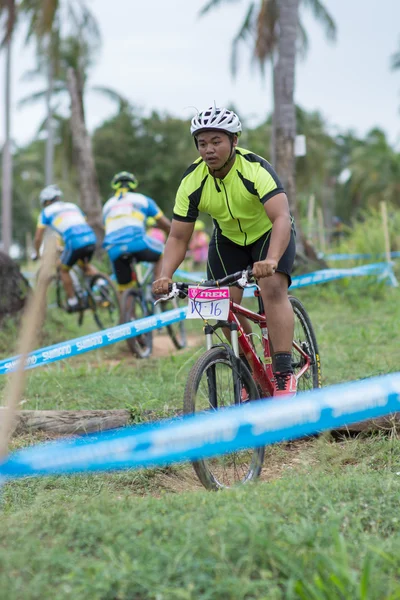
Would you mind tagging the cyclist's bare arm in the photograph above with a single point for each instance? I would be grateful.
(277, 209)
(164, 223)
(174, 254)
(38, 239)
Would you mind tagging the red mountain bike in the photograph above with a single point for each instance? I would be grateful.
(220, 378)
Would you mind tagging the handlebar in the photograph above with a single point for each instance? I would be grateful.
(245, 276)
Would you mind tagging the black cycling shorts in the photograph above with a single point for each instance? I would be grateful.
(122, 264)
(225, 257)
(84, 254)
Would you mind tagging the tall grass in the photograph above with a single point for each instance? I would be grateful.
(366, 234)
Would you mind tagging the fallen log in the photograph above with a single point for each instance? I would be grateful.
(64, 422)
(388, 423)
(61, 422)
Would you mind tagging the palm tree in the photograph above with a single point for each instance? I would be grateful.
(375, 172)
(50, 23)
(275, 33)
(8, 14)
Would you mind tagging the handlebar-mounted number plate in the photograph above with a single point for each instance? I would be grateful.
(208, 303)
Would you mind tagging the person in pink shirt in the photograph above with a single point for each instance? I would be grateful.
(198, 246)
(155, 232)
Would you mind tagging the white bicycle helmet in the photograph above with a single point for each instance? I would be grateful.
(50, 193)
(221, 119)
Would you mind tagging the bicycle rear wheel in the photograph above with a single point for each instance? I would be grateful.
(61, 296)
(134, 307)
(214, 384)
(105, 306)
(305, 340)
(176, 331)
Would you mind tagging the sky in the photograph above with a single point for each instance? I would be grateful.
(161, 55)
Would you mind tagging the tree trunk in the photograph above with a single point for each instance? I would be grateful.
(14, 288)
(284, 123)
(6, 223)
(284, 108)
(88, 183)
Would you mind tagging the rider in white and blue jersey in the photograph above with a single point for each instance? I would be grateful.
(124, 217)
(79, 240)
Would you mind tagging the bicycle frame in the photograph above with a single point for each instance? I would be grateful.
(145, 278)
(262, 371)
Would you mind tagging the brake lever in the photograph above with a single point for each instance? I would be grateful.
(244, 279)
(164, 298)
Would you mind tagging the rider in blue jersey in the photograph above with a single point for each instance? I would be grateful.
(78, 238)
(124, 217)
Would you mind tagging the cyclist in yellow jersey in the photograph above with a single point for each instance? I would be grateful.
(253, 227)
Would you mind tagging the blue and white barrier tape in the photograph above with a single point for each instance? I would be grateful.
(382, 269)
(358, 256)
(210, 434)
(94, 341)
(122, 332)
(385, 270)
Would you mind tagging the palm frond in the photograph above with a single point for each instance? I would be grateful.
(111, 94)
(395, 61)
(323, 16)
(246, 32)
(59, 87)
(84, 23)
(55, 117)
(49, 11)
(302, 42)
(33, 74)
(9, 9)
(214, 4)
(266, 31)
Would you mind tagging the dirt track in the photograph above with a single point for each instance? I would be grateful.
(163, 345)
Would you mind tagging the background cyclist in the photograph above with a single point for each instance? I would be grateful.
(124, 216)
(198, 246)
(154, 231)
(78, 238)
(253, 226)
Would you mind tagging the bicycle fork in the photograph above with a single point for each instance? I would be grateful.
(236, 363)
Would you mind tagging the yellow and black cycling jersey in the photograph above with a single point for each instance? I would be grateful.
(235, 202)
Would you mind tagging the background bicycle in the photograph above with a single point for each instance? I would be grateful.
(95, 293)
(220, 378)
(138, 302)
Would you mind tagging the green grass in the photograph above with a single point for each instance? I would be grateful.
(322, 536)
(322, 524)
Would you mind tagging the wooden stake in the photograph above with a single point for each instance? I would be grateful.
(385, 224)
(310, 217)
(321, 230)
(31, 321)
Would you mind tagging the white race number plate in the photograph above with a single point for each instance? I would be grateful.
(208, 303)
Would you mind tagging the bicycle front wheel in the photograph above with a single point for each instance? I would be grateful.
(305, 344)
(105, 305)
(133, 307)
(214, 383)
(176, 331)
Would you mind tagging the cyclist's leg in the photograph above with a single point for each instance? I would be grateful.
(226, 257)
(150, 250)
(279, 312)
(86, 255)
(121, 263)
(67, 260)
